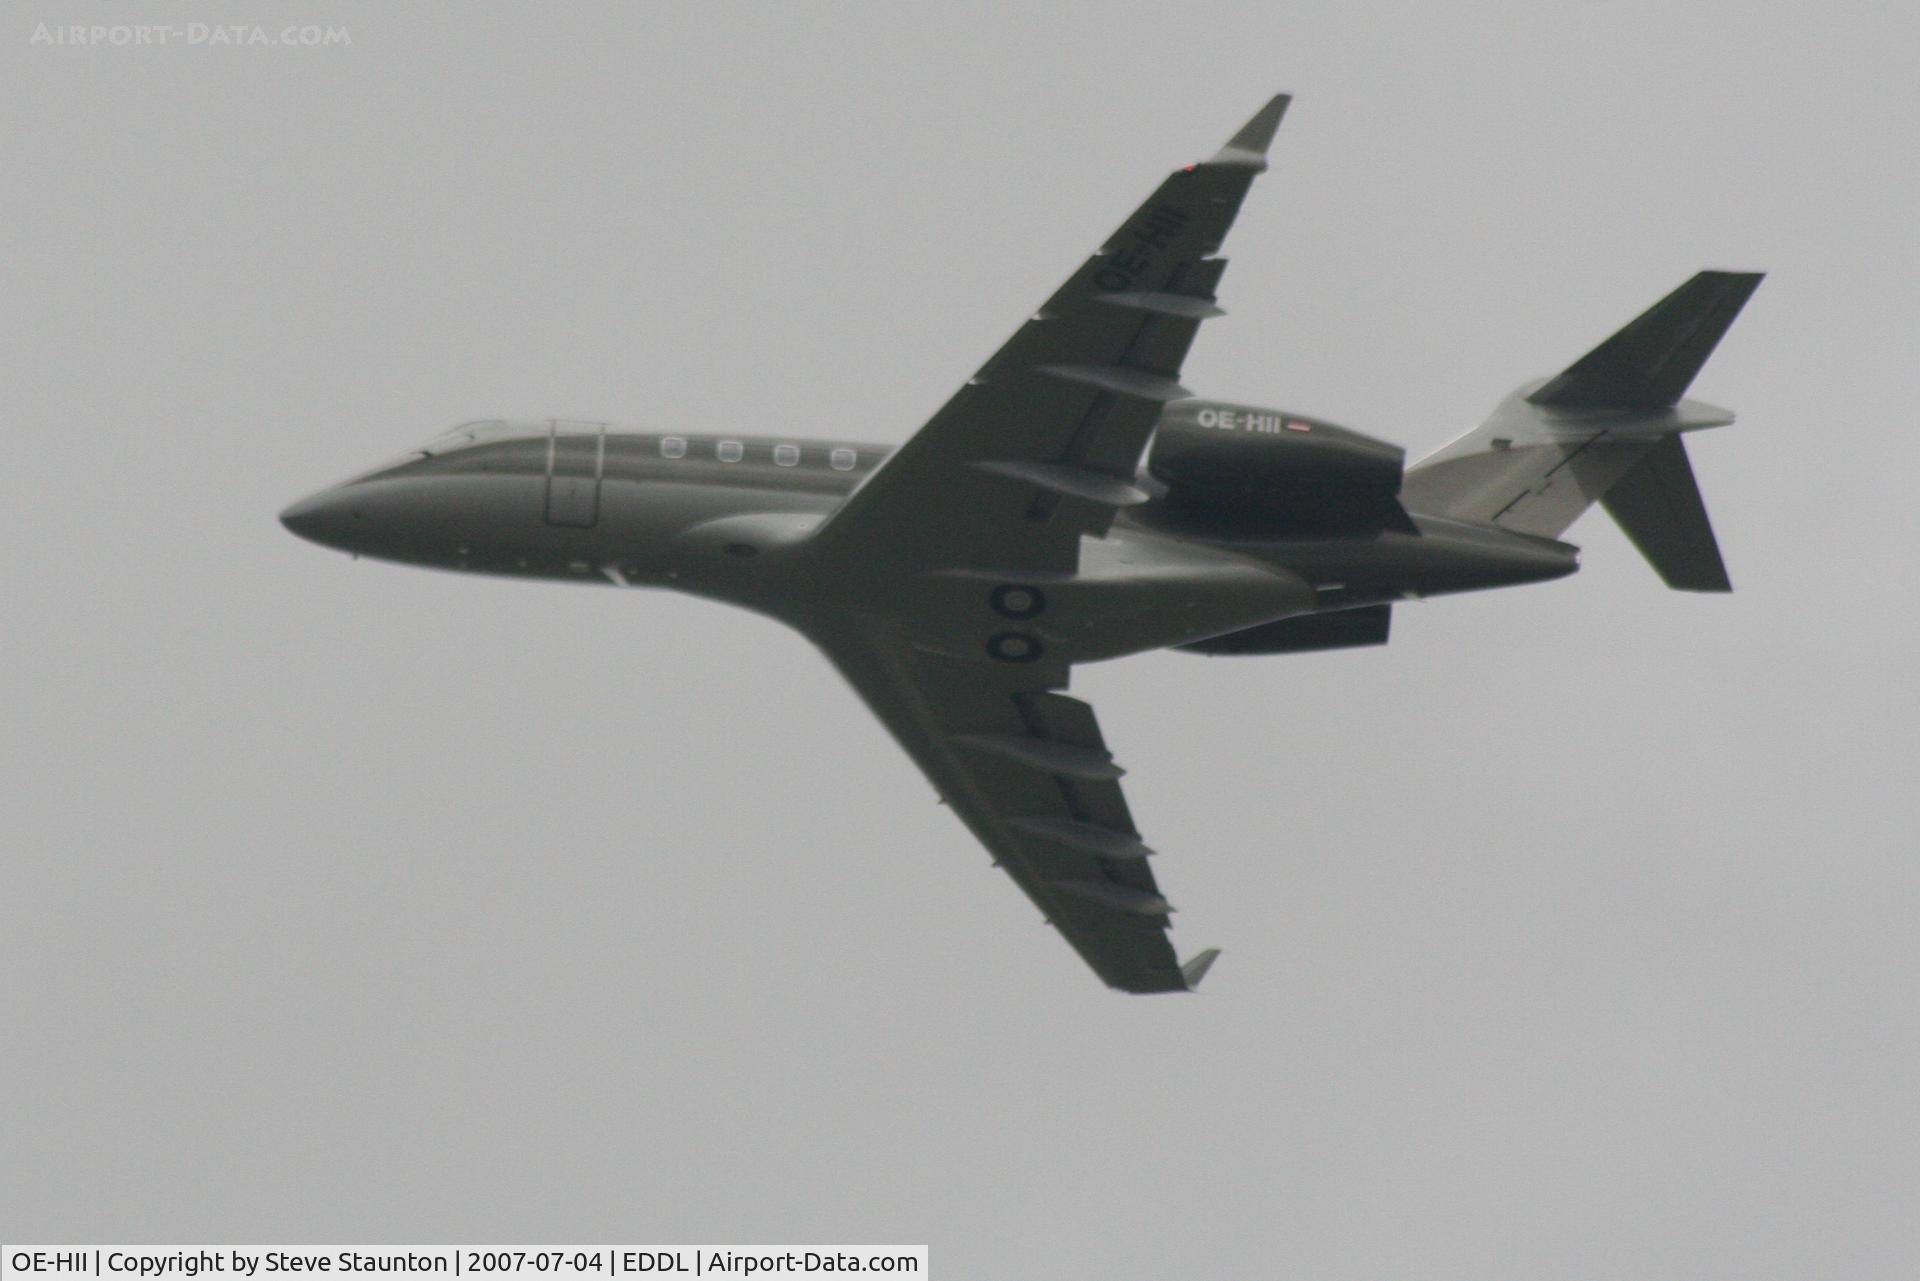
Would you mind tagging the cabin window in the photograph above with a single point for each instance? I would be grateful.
(786, 455)
(842, 459)
(729, 451)
(673, 446)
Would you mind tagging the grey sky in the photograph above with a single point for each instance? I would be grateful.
(1572, 934)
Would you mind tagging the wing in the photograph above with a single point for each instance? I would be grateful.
(1037, 450)
(1041, 445)
(1026, 769)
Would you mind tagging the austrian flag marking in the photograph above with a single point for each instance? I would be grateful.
(1257, 421)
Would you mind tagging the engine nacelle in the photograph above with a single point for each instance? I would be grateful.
(1240, 462)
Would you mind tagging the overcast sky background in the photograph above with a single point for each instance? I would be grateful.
(1572, 934)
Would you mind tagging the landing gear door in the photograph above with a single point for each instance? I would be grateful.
(576, 457)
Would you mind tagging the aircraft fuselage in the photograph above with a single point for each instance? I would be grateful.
(1074, 501)
(730, 517)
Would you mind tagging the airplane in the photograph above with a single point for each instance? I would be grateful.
(1072, 502)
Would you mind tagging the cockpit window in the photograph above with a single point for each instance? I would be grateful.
(481, 431)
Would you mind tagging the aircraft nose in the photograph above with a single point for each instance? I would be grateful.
(320, 518)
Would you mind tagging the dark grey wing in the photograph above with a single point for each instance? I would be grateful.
(1026, 769)
(1042, 444)
(1037, 450)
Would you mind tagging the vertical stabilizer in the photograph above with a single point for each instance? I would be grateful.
(1607, 429)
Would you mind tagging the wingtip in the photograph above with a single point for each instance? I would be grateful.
(1249, 145)
(1196, 967)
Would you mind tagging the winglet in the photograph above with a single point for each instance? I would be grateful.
(1195, 969)
(1249, 146)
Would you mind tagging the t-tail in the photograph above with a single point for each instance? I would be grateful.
(1609, 430)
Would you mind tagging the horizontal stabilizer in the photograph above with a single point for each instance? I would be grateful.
(1658, 505)
(1650, 363)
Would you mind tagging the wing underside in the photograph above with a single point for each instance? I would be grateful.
(1026, 768)
(1041, 444)
(1036, 452)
